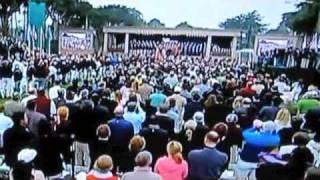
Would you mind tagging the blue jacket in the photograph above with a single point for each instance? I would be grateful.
(257, 142)
(121, 132)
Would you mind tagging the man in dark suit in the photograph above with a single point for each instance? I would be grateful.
(207, 163)
(156, 138)
(164, 121)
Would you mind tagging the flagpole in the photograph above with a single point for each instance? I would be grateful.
(41, 41)
(49, 40)
(33, 38)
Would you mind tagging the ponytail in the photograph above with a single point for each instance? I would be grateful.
(174, 149)
(178, 158)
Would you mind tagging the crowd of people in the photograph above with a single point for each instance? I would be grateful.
(130, 117)
(171, 45)
(290, 58)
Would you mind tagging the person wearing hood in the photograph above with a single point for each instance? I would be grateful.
(172, 166)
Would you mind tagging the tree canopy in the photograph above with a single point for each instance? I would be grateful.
(155, 23)
(245, 22)
(184, 24)
(250, 23)
(7, 8)
(305, 19)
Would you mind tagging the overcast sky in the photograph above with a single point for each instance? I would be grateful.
(204, 13)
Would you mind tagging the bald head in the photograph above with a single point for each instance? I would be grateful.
(211, 139)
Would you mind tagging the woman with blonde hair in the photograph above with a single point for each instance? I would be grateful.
(172, 166)
(62, 114)
(63, 129)
(283, 119)
(102, 169)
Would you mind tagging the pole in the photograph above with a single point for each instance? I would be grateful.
(49, 40)
(87, 23)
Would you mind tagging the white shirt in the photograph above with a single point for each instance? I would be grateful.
(280, 126)
(53, 92)
(25, 100)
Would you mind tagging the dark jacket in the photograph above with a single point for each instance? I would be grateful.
(166, 123)
(191, 108)
(206, 163)
(234, 137)
(15, 139)
(49, 150)
(84, 125)
(196, 141)
(64, 132)
(216, 113)
(156, 140)
(102, 113)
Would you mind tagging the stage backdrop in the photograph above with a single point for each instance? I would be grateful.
(76, 41)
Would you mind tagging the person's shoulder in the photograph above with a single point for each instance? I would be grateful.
(162, 159)
(195, 152)
(8, 132)
(221, 154)
(127, 175)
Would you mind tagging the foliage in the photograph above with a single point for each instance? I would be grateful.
(80, 14)
(305, 19)
(284, 26)
(184, 25)
(250, 23)
(7, 8)
(155, 23)
(61, 10)
(245, 22)
(114, 15)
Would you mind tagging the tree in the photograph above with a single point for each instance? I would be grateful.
(80, 16)
(284, 26)
(61, 11)
(184, 25)
(306, 18)
(113, 15)
(7, 8)
(155, 23)
(250, 23)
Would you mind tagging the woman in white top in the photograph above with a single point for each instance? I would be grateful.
(283, 119)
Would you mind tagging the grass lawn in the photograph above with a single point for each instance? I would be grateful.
(2, 101)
